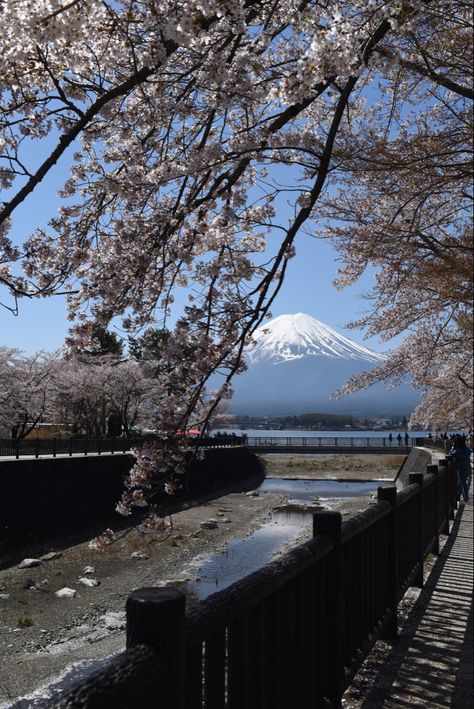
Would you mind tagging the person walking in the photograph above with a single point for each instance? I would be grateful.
(461, 453)
(399, 439)
(390, 439)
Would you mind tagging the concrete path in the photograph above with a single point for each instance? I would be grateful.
(432, 666)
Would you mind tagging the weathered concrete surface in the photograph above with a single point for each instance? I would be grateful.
(416, 462)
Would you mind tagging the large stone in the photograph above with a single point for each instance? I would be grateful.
(50, 556)
(139, 556)
(210, 524)
(28, 563)
(66, 592)
(89, 582)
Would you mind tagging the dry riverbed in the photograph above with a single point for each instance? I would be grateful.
(41, 634)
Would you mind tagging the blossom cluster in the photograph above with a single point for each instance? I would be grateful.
(205, 137)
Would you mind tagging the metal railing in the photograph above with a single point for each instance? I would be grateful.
(329, 442)
(37, 447)
(294, 632)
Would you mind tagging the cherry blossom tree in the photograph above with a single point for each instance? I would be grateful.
(204, 137)
(27, 388)
(90, 389)
(405, 207)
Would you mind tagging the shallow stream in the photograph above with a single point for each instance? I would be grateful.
(244, 556)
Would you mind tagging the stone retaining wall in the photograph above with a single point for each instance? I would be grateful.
(51, 498)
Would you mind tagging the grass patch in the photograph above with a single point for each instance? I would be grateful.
(24, 621)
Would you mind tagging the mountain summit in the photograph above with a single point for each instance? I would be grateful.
(296, 363)
(290, 337)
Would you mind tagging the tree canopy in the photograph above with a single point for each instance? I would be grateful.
(204, 136)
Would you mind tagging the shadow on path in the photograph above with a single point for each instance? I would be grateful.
(431, 666)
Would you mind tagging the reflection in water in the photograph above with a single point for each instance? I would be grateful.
(243, 556)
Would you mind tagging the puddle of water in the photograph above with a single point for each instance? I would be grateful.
(307, 489)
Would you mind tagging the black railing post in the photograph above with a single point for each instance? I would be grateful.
(443, 471)
(433, 470)
(70, 446)
(17, 454)
(330, 524)
(417, 478)
(453, 470)
(85, 446)
(155, 618)
(389, 494)
(54, 447)
(36, 448)
(454, 483)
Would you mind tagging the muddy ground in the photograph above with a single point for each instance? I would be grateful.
(41, 634)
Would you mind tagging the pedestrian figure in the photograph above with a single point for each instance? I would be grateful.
(399, 439)
(390, 438)
(462, 456)
(407, 438)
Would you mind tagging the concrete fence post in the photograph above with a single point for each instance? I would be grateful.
(330, 524)
(417, 478)
(443, 471)
(389, 494)
(155, 617)
(433, 470)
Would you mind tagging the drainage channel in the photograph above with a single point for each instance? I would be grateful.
(241, 557)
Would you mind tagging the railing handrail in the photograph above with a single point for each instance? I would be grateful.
(317, 441)
(396, 533)
(37, 447)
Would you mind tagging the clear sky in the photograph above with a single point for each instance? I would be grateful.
(42, 324)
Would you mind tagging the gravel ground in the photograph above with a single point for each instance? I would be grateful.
(41, 634)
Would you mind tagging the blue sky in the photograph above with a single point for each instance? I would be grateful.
(42, 324)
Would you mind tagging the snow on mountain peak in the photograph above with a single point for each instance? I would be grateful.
(289, 337)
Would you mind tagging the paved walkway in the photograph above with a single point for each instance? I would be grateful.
(432, 665)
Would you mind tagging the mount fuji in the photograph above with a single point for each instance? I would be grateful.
(296, 362)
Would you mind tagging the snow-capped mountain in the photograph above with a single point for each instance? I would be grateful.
(296, 363)
(290, 337)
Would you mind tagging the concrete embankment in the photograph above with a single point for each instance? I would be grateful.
(47, 499)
